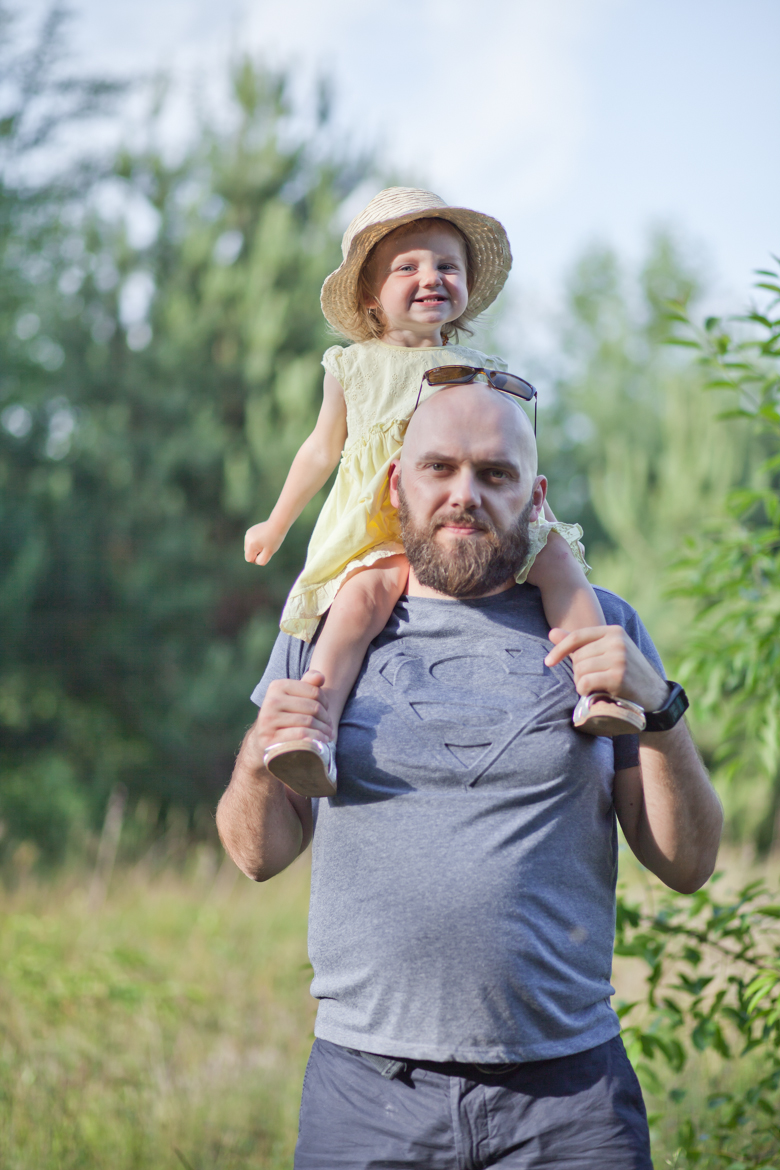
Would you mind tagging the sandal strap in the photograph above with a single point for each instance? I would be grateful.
(585, 703)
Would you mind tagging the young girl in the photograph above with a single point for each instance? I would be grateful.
(414, 272)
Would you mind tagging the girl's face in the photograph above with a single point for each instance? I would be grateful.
(420, 278)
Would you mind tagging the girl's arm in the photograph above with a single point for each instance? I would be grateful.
(569, 601)
(315, 461)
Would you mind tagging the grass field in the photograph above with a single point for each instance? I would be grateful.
(169, 1027)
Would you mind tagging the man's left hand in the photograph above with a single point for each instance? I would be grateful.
(605, 659)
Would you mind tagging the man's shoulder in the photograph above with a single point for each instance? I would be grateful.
(618, 612)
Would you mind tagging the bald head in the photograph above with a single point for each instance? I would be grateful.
(474, 417)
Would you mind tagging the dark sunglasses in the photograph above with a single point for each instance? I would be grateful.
(506, 383)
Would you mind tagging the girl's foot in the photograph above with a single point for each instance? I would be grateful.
(305, 765)
(602, 714)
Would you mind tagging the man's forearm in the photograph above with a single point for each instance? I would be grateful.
(667, 807)
(263, 825)
(669, 811)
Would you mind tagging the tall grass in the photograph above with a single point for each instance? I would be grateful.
(170, 1028)
(167, 1024)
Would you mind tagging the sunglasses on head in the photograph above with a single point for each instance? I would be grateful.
(506, 383)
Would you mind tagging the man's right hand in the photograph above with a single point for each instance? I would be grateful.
(294, 710)
(264, 825)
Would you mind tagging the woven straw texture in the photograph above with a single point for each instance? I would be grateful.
(391, 209)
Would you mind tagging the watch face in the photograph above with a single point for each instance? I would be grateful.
(679, 705)
(671, 712)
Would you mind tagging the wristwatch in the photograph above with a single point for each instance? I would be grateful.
(672, 711)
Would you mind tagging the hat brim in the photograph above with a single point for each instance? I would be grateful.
(490, 253)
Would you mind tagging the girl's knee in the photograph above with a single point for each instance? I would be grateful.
(385, 578)
(395, 571)
(367, 598)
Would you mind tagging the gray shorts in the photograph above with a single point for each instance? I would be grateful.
(578, 1112)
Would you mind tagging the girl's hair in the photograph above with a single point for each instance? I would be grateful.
(373, 318)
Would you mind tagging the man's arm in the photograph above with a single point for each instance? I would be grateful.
(667, 807)
(668, 810)
(263, 824)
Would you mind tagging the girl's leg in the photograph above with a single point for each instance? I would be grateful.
(571, 604)
(360, 611)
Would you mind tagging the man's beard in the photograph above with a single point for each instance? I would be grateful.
(470, 566)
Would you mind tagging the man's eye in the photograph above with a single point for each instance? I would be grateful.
(497, 473)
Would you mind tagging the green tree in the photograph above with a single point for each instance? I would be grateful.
(39, 795)
(732, 572)
(172, 384)
(631, 447)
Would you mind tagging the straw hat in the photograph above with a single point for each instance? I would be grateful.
(387, 211)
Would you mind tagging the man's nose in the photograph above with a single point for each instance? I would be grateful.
(464, 490)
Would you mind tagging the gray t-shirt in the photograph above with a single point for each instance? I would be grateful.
(463, 879)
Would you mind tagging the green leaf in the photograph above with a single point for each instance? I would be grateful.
(703, 1035)
(716, 1100)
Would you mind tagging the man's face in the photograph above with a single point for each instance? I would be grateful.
(471, 567)
(466, 489)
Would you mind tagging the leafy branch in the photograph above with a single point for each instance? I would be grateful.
(732, 572)
(713, 983)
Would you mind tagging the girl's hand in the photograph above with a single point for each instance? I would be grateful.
(261, 542)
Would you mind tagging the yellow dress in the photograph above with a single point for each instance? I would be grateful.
(358, 525)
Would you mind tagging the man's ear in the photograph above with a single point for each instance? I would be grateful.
(538, 495)
(393, 479)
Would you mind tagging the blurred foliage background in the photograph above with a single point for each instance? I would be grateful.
(154, 386)
(151, 400)
(652, 453)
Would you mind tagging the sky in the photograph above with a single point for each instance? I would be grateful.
(571, 121)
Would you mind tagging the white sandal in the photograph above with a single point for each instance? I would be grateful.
(602, 714)
(305, 765)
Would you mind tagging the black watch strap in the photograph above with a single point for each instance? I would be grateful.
(672, 711)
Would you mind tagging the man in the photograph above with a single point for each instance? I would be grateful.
(462, 906)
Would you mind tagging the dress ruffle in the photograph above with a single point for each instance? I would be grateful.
(539, 532)
(316, 600)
